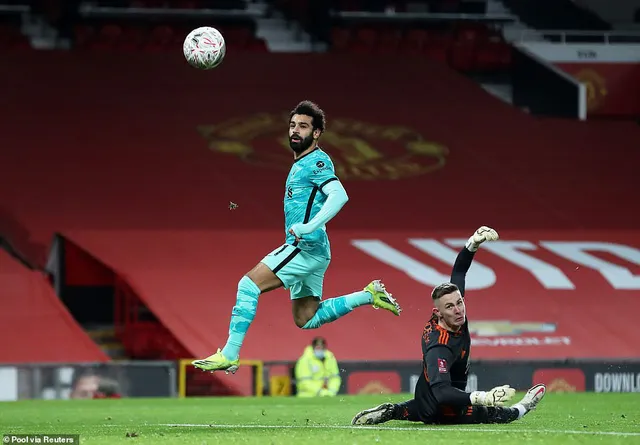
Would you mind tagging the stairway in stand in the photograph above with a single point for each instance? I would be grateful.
(104, 336)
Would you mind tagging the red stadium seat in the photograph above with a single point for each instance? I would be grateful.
(83, 35)
(340, 39)
(413, 42)
(350, 5)
(493, 54)
(132, 39)
(186, 4)
(257, 45)
(462, 56)
(238, 37)
(108, 38)
(463, 49)
(148, 3)
(388, 41)
(437, 46)
(11, 38)
(160, 39)
(364, 42)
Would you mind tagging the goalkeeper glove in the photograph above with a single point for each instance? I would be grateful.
(496, 397)
(481, 235)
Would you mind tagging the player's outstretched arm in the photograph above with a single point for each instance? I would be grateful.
(336, 199)
(465, 257)
(437, 361)
(481, 235)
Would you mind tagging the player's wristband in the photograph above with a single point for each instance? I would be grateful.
(471, 245)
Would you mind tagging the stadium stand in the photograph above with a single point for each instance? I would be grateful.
(621, 15)
(158, 26)
(11, 36)
(557, 14)
(139, 157)
(167, 152)
(461, 34)
(34, 322)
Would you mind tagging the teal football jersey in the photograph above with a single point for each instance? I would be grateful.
(303, 198)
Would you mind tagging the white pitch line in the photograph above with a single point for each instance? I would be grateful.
(401, 428)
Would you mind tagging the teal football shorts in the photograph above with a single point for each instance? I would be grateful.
(300, 272)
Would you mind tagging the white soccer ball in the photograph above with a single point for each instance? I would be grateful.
(204, 48)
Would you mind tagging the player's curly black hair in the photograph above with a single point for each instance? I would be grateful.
(309, 108)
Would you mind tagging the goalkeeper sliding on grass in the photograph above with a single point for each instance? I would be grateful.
(440, 396)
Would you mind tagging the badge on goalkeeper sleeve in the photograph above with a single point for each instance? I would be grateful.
(498, 396)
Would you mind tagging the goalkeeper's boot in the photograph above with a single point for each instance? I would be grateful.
(217, 362)
(373, 416)
(381, 298)
(533, 397)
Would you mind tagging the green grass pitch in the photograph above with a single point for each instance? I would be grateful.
(572, 418)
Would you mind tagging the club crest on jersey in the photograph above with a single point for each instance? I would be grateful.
(359, 150)
(442, 366)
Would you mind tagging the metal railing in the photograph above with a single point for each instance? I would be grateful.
(571, 36)
(257, 376)
(76, 380)
(422, 16)
(106, 11)
(15, 8)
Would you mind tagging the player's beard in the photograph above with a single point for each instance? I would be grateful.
(302, 145)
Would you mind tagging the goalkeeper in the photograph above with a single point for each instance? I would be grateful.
(440, 396)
